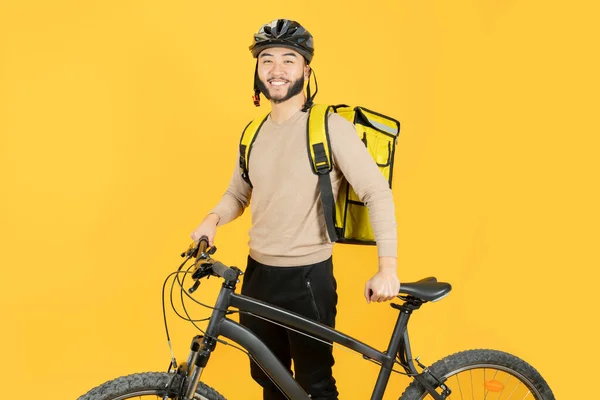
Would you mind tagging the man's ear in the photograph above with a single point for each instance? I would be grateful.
(307, 71)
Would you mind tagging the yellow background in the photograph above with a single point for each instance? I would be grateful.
(119, 122)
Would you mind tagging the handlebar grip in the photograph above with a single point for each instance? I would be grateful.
(224, 271)
(203, 244)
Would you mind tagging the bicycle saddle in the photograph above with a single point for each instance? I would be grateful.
(427, 289)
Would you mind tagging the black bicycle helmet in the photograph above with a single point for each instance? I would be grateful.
(289, 34)
(284, 33)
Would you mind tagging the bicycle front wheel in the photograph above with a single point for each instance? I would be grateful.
(484, 374)
(147, 386)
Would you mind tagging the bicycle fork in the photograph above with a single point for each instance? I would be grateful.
(200, 351)
(202, 347)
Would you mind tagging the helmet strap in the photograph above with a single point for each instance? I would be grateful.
(310, 99)
(256, 97)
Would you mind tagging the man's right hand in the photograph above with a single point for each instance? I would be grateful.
(208, 228)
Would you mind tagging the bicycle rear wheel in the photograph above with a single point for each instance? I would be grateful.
(484, 374)
(147, 386)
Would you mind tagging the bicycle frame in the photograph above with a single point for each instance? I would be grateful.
(220, 325)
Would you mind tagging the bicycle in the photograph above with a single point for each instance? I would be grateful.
(489, 374)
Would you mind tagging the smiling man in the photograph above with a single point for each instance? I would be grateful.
(278, 88)
(290, 259)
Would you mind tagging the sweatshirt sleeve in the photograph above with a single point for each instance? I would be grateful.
(358, 167)
(236, 197)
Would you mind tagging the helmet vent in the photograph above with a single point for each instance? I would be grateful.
(285, 33)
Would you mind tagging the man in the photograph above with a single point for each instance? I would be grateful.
(290, 259)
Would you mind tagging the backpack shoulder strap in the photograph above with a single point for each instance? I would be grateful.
(321, 160)
(319, 149)
(246, 141)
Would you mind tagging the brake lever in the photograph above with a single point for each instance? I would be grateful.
(192, 251)
(193, 288)
(207, 253)
(204, 270)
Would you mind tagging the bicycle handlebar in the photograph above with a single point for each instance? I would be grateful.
(224, 271)
(202, 244)
(206, 266)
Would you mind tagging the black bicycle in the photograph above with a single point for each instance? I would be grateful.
(471, 374)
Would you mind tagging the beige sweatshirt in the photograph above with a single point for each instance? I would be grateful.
(288, 226)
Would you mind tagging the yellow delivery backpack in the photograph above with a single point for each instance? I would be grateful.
(347, 218)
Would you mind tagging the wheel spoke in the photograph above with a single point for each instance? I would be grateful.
(472, 391)
(484, 391)
(514, 390)
(505, 385)
(459, 388)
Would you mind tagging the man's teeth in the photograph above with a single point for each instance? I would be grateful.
(278, 83)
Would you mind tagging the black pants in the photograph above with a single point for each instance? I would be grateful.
(308, 290)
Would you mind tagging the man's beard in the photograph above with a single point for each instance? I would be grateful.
(295, 87)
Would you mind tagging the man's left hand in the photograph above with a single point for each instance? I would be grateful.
(385, 285)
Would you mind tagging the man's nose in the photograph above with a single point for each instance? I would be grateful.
(277, 69)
